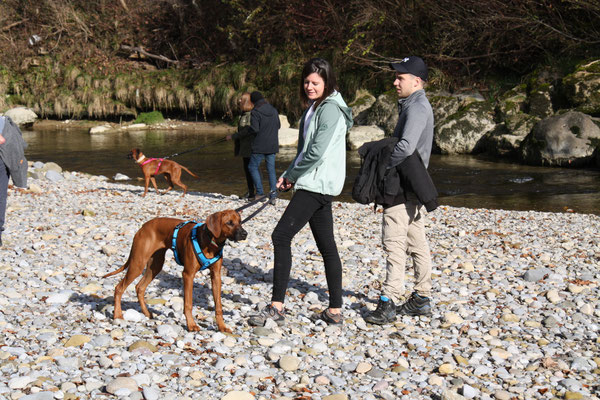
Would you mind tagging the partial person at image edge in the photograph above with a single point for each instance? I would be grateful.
(13, 163)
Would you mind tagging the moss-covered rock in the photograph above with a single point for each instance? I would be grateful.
(540, 101)
(384, 112)
(461, 132)
(512, 102)
(506, 138)
(443, 105)
(567, 140)
(582, 88)
(363, 100)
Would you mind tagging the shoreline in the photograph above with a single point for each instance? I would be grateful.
(515, 306)
(168, 124)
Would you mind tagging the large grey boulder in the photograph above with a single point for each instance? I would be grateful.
(512, 103)
(461, 132)
(361, 104)
(384, 112)
(513, 123)
(443, 105)
(542, 85)
(21, 116)
(360, 134)
(506, 138)
(569, 139)
(287, 136)
(582, 88)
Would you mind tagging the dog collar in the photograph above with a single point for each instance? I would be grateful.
(204, 262)
(139, 160)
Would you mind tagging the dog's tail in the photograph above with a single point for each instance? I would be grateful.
(190, 172)
(123, 268)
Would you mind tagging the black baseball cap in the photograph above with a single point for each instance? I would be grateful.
(411, 65)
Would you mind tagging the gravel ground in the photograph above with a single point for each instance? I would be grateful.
(515, 306)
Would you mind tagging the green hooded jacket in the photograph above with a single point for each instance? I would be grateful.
(322, 168)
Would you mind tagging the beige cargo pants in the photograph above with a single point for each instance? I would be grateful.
(403, 232)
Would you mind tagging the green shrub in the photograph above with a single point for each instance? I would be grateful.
(149, 118)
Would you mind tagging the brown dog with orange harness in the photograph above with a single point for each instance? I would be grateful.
(196, 246)
(156, 166)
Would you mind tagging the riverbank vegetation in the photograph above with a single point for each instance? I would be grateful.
(110, 59)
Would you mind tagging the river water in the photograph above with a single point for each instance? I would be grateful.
(462, 181)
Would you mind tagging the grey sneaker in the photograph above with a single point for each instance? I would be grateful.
(384, 314)
(415, 306)
(266, 313)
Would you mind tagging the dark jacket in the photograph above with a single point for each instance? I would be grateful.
(12, 152)
(264, 123)
(243, 137)
(408, 181)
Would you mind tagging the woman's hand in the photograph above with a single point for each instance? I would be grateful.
(2, 140)
(283, 184)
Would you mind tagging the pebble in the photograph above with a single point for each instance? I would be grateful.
(238, 395)
(121, 383)
(507, 320)
(289, 363)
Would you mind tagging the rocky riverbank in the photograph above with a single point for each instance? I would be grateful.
(515, 310)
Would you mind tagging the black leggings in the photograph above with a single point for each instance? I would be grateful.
(314, 208)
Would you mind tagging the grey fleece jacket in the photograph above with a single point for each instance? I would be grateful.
(414, 129)
(12, 152)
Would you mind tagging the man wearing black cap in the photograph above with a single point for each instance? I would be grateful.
(264, 124)
(403, 226)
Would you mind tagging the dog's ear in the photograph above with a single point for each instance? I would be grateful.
(213, 223)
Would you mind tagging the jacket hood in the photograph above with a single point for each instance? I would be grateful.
(336, 98)
(264, 108)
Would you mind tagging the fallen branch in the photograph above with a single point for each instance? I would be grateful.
(8, 27)
(144, 52)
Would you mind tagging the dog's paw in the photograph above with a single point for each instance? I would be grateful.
(225, 329)
(193, 328)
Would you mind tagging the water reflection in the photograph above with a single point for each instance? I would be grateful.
(462, 181)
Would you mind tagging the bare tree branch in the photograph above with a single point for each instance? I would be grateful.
(144, 52)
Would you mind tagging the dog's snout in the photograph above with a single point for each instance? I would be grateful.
(241, 234)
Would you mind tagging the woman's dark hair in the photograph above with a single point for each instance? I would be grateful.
(324, 70)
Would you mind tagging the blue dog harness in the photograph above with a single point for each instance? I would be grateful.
(204, 262)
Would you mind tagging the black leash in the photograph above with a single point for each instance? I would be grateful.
(268, 197)
(198, 148)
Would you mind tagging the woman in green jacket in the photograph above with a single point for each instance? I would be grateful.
(316, 174)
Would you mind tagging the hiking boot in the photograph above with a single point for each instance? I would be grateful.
(384, 314)
(415, 306)
(327, 316)
(266, 313)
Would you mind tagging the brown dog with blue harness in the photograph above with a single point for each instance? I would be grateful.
(196, 246)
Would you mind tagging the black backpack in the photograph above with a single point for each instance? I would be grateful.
(369, 184)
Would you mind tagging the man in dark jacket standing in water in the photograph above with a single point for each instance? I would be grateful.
(403, 226)
(264, 123)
